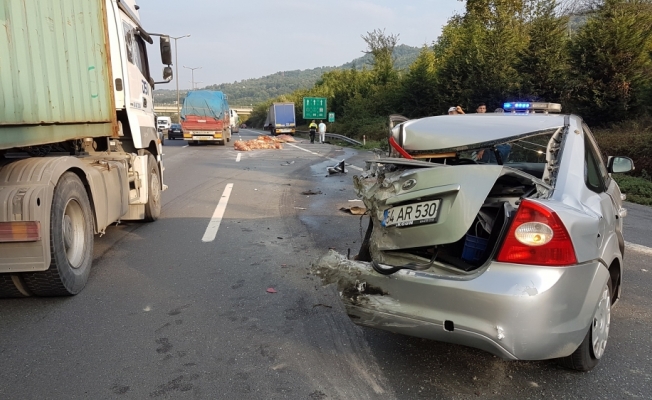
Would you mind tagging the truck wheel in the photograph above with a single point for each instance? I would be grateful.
(7, 287)
(71, 242)
(153, 206)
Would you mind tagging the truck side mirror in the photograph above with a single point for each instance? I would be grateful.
(166, 50)
(167, 75)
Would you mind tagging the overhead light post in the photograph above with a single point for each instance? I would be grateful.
(193, 75)
(176, 66)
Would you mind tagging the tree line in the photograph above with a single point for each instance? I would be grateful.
(594, 57)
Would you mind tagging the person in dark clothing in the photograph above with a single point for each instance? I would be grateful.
(313, 131)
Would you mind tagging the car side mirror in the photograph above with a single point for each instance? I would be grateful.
(166, 50)
(620, 165)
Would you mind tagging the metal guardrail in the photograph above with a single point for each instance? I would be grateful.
(338, 137)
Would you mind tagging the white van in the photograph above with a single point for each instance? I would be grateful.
(234, 121)
(163, 123)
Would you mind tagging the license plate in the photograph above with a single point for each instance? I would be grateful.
(425, 212)
(202, 138)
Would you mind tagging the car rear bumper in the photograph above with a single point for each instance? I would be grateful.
(513, 311)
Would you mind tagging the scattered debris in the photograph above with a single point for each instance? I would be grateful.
(285, 139)
(262, 142)
(278, 237)
(271, 290)
(311, 192)
(643, 270)
(300, 208)
(355, 200)
(533, 384)
(355, 210)
(337, 169)
(285, 164)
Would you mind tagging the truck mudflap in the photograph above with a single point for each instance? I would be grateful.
(26, 190)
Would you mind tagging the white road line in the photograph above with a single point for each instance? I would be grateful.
(216, 219)
(331, 159)
(638, 248)
(237, 159)
(184, 146)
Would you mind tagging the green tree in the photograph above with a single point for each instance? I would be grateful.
(419, 89)
(543, 65)
(611, 66)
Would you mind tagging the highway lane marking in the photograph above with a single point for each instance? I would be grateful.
(639, 248)
(237, 159)
(216, 219)
(328, 158)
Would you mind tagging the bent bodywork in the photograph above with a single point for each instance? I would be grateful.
(492, 232)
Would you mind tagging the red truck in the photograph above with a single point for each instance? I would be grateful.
(205, 117)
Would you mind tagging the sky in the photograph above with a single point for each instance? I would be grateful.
(237, 40)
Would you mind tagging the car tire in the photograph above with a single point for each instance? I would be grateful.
(591, 350)
(153, 206)
(71, 242)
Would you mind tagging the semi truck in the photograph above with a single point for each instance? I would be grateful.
(281, 119)
(205, 117)
(79, 147)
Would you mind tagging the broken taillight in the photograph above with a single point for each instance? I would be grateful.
(537, 236)
(20, 231)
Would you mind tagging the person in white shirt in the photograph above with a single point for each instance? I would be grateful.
(322, 132)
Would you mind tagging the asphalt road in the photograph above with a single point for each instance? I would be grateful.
(167, 315)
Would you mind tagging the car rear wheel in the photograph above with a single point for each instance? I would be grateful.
(589, 353)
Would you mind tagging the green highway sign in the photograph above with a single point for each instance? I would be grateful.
(331, 117)
(314, 108)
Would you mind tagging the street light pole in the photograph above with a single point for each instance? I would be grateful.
(176, 66)
(193, 75)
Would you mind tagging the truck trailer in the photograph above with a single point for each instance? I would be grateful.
(205, 117)
(79, 147)
(281, 119)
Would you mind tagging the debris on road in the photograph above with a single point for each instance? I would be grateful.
(355, 210)
(285, 164)
(311, 192)
(286, 138)
(337, 169)
(271, 290)
(260, 143)
(643, 270)
(299, 208)
(355, 200)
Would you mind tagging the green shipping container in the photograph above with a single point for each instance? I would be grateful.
(55, 82)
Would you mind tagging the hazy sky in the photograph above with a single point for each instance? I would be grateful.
(244, 39)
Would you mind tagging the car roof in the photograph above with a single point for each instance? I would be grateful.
(460, 132)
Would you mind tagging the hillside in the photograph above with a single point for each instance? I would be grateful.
(253, 91)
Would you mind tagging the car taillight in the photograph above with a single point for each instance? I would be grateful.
(537, 237)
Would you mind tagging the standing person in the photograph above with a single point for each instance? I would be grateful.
(322, 131)
(482, 108)
(313, 131)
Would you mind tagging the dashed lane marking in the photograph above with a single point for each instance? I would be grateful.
(216, 219)
(237, 158)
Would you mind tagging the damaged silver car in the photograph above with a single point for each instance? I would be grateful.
(497, 231)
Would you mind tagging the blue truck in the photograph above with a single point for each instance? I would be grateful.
(281, 119)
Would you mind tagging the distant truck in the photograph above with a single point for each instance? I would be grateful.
(163, 123)
(235, 121)
(281, 119)
(205, 117)
(79, 148)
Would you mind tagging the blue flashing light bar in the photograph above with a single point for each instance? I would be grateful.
(517, 106)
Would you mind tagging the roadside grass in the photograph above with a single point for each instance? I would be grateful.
(637, 189)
